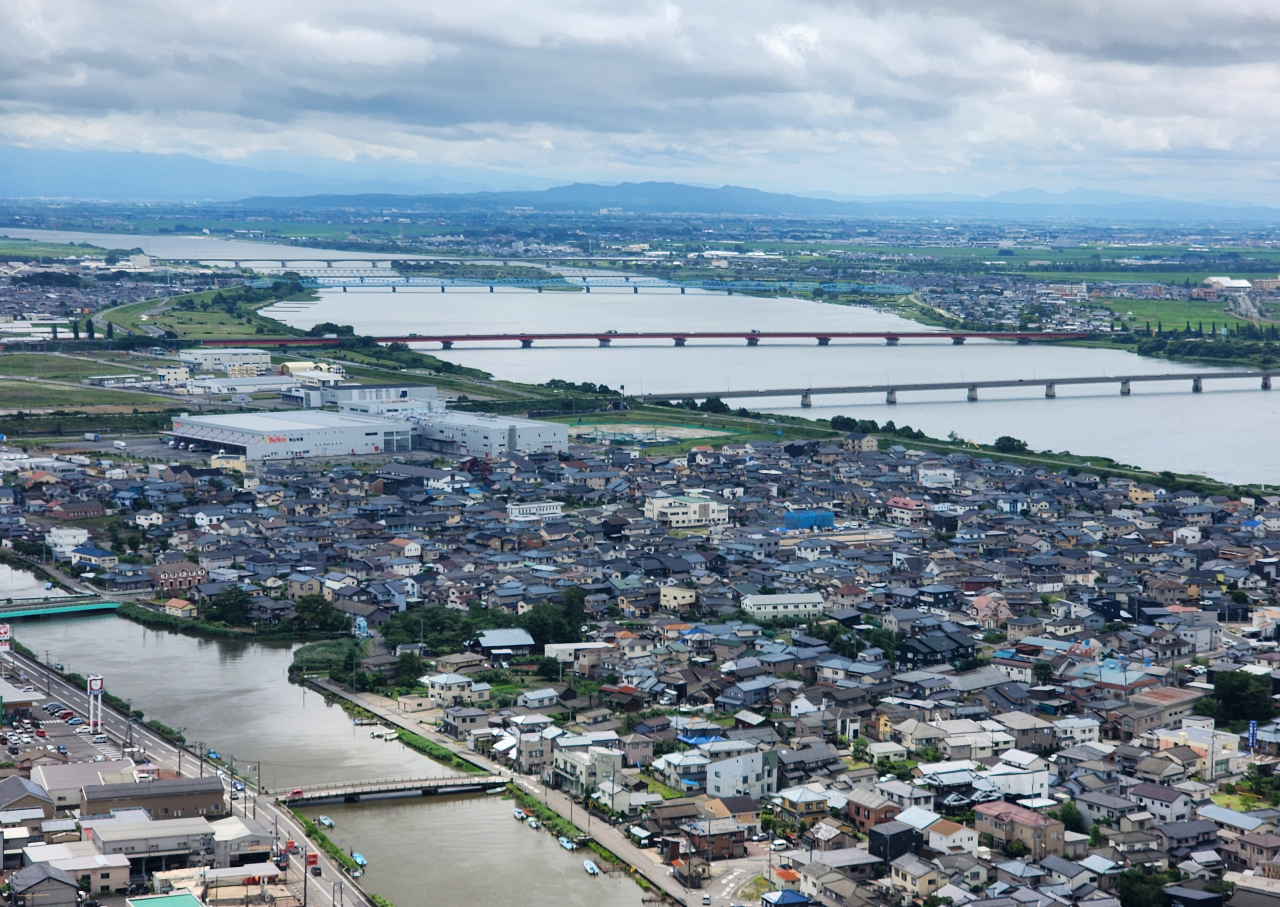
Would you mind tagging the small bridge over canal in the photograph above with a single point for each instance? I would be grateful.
(47, 607)
(354, 791)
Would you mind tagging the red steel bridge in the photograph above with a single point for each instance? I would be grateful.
(679, 338)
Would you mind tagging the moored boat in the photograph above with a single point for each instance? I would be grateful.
(534, 823)
(567, 844)
(360, 860)
(325, 821)
(591, 868)
(519, 814)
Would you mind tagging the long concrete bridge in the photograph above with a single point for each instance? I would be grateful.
(354, 791)
(679, 338)
(1050, 385)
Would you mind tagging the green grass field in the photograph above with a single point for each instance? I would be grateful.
(29, 394)
(56, 368)
(26, 249)
(1175, 313)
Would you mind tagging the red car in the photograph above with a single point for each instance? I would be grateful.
(40, 732)
(67, 714)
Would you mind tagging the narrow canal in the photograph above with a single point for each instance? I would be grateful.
(236, 698)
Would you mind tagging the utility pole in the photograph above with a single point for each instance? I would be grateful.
(305, 873)
(179, 747)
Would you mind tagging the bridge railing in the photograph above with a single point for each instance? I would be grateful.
(381, 782)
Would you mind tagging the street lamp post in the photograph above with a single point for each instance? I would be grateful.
(179, 747)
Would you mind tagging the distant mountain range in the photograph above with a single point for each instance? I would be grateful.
(128, 176)
(675, 198)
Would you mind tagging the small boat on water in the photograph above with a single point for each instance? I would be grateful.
(591, 868)
(495, 790)
(48, 586)
(567, 844)
(325, 821)
(520, 814)
(356, 873)
(360, 861)
(534, 823)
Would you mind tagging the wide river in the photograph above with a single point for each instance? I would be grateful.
(236, 698)
(1229, 431)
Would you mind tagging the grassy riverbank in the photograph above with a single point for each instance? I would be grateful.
(437, 752)
(321, 840)
(216, 630)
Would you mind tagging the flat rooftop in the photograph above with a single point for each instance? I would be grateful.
(275, 422)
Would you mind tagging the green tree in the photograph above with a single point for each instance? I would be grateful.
(315, 612)
(1072, 819)
(1042, 671)
(1238, 696)
(230, 606)
(1006, 444)
(1136, 888)
(409, 667)
(1015, 849)
(111, 330)
(88, 327)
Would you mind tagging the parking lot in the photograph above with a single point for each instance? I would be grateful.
(80, 747)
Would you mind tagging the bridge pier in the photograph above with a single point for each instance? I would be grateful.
(527, 344)
(753, 341)
(446, 344)
(1266, 382)
(539, 289)
(891, 397)
(635, 289)
(393, 288)
(490, 289)
(958, 341)
(441, 288)
(1125, 388)
(806, 400)
(973, 393)
(604, 341)
(588, 286)
(682, 291)
(824, 341)
(1197, 385)
(1024, 341)
(679, 340)
(344, 289)
(891, 341)
(1051, 390)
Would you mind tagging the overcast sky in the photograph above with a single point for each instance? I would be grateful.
(1166, 98)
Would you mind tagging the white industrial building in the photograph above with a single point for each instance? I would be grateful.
(218, 360)
(284, 435)
(484, 435)
(380, 399)
(266, 384)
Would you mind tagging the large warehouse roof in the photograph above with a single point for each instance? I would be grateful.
(283, 421)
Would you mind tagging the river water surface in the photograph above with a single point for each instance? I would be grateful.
(1229, 431)
(236, 698)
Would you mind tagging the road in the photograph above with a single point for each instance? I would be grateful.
(728, 875)
(169, 756)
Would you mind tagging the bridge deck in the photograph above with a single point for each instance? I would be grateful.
(358, 789)
(45, 607)
(681, 336)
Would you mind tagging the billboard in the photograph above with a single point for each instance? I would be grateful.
(95, 683)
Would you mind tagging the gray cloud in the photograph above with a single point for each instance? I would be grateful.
(868, 97)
